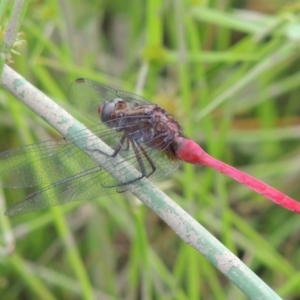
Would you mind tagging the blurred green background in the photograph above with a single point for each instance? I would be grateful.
(229, 72)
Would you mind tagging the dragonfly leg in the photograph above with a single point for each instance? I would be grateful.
(138, 158)
(144, 152)
(120, 145)
(116, 149)
(139, 151)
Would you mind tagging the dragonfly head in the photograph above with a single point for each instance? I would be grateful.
(109, 110)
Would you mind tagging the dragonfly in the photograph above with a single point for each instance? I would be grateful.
(138, 131)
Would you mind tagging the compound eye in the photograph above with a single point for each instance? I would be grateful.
(106, 111)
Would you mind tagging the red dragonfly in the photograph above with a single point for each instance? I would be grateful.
(142, 133)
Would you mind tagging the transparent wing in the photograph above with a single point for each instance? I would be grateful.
(87, 96)
(45, 162)
(73, 175)
(52, 161)
(87, 185)
(96, 182)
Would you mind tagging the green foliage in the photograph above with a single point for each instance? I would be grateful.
(230, 75)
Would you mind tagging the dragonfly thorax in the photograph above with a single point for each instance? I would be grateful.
(145, 124)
